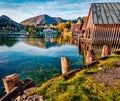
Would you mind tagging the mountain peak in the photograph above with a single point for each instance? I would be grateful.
(42, 19)
(46, 19)
(44, 15)
(6, 21)
(4, 16)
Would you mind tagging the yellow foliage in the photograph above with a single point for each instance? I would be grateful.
(66, 33)
(65, 97)
(61, 26)
(65, 30)
(78, 22)
(45, 26)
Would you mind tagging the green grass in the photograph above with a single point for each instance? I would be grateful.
(81, 87)
(109, 63)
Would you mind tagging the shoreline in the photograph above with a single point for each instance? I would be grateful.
(72, 73)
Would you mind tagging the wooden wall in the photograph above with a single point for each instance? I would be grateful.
(107, 35)
(101, 34)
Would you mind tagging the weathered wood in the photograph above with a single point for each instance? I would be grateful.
(66, 75)
(105, 51)
(18, 90)
(90, 64)
(10, 81)
(65, 65)
(105, 34)
(89, 57)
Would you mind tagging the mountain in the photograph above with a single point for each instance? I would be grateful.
(6, 22)
(46, 19)
(42, 19)
(75, 20)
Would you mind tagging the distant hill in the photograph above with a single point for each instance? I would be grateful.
(45, 19)
(42, 19)
(7, 23)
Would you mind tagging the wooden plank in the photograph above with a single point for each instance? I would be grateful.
(103, 14)
(115, 37)
(118, 38)
(95, 36)
(103, 36)
(99, 35)
(110, 38)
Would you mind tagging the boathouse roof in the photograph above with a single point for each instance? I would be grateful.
(106, 13)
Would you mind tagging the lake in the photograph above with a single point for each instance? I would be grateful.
(36, 58)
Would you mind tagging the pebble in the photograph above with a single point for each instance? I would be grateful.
(108, 77)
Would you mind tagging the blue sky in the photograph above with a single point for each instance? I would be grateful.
(20, 10)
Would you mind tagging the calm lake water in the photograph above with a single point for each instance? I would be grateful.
(38, 58)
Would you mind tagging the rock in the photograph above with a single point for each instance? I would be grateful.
(102, 68)
(27, 91)
(34, 98)
(117, 63)
(24, 97)
(109, 77)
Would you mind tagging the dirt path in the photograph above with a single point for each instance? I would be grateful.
(109, 77)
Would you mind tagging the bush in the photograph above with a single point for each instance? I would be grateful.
(64, 97)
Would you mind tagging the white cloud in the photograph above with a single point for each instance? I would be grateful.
(24, 11)
(32, 50)
(14, 14)
(67, 9)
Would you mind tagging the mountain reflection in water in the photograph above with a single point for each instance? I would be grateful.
(36, 58)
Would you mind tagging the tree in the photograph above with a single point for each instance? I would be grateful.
(66, 32)
(61, 26)
(68, 25)
(26, 28)
(78, 22)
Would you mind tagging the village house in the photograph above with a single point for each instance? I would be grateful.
(49, 30)
(103, 25)
(75, 28)
(82, 27)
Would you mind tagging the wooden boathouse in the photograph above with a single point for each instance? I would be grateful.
(75, 28)
(103, 25)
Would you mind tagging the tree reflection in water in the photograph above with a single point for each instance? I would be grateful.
(7, 40)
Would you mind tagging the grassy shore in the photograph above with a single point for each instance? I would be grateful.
(86, 85)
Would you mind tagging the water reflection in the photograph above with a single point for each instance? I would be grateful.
(37, 58)
(7, 40)
(92, 52)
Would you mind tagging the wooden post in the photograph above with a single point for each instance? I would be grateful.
(105, 51)
(10, 81)
(71, 41)
(65, 63)
(90, 56)
(18, 90)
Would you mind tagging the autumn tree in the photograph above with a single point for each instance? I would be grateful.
(66, 32)
(68, 25)
(31, 29)
(78, 22)
(61, 26)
